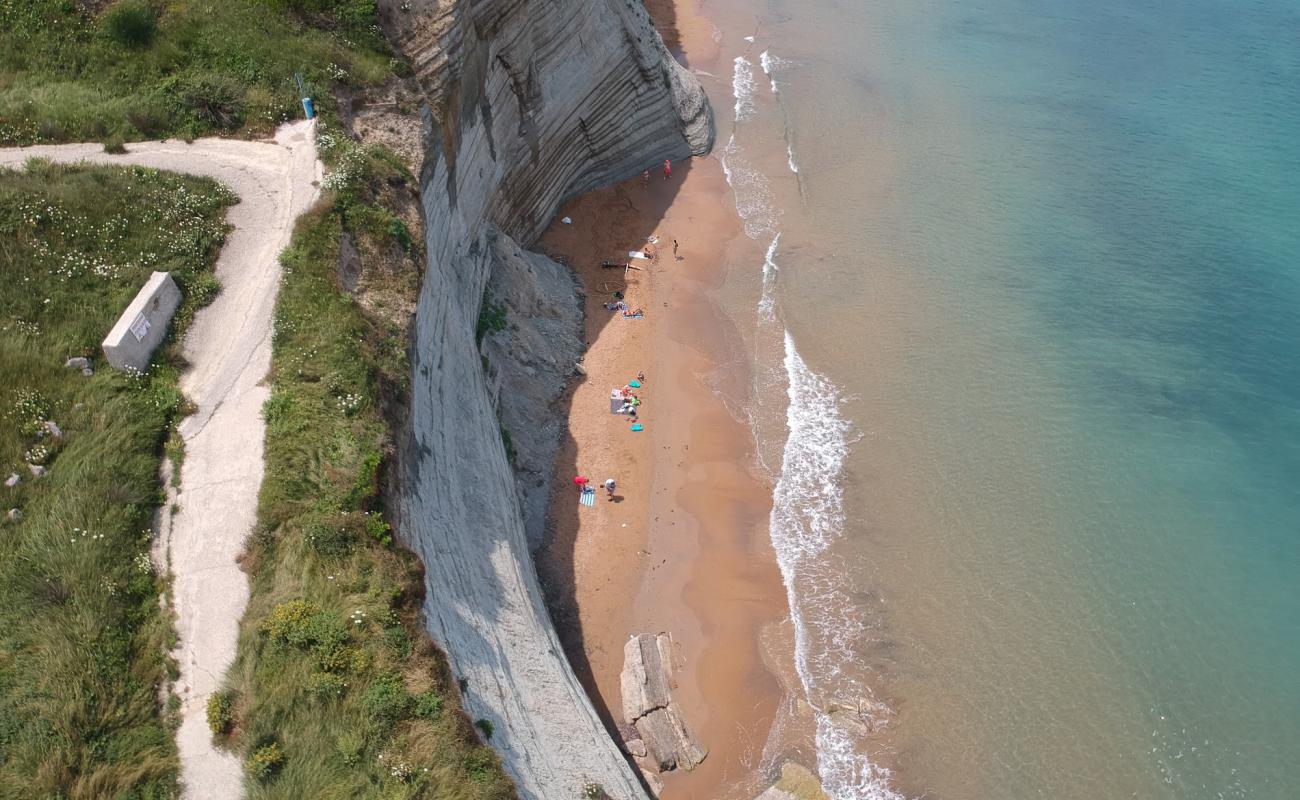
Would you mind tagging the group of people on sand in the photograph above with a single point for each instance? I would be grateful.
(581, 482)
(620, 306)
(630, 401)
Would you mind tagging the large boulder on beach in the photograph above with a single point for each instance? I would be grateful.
(646, 687)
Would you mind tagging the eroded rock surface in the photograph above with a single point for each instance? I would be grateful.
(646, 686)
(528, 103)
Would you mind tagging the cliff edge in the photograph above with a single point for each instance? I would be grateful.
(528, 103)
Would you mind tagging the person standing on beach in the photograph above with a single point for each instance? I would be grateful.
(668, 169)
(609, 488)
(675, 248)
(645, 178)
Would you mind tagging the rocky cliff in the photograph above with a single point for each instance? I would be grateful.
(528, 102)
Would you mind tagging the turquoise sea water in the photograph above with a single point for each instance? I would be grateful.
(1048, 253)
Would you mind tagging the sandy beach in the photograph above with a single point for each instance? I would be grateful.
(682, 548)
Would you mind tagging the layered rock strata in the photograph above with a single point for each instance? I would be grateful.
(646, 687)
(529, 103)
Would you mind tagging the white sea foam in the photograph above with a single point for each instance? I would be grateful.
(749, 39)
(755, 200)
(807, 518)
(771, 64)
(766, 302)
(742, 87)
(789, 152)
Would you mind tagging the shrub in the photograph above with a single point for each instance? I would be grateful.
(202, 289)
(215, 99)
(264, 762)
(350, 748)
(378, 529)
(491, 318)
(594, 791)
(131, 23)
(386, 699)
(304, 625)
(428, 705)
(325, 684)
(485, 727)
(329, 541)
(481, 763)
(115, 145)
(221, 712)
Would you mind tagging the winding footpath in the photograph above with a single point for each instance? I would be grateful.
(229, 352)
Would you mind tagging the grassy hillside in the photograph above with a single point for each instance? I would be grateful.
(83, 642)
(337, 690)
(80, 70)
(336, 680)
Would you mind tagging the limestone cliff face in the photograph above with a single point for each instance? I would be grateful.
(529, 102)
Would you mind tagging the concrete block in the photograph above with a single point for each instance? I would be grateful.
(142, 327)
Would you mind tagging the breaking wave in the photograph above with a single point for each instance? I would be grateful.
(755, 200)
(807, 517)
(765, 301)
(742, 88)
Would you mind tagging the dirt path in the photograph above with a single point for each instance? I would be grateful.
(229, 350)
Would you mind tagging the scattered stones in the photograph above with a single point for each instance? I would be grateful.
(14, 515)
(796, 783)
(648, 705)
(82, 363)
(37, 470)
(13, 480)
(53, 429)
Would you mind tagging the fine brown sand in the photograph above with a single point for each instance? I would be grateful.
(683, 547)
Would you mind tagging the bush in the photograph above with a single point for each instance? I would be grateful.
(491, 319)
(386, 699)
(481, 763)
(202, 289)
(485, 727)
(428, 705)
(131, 23)
(115, 145)
(216, 99)
(265, 761)
(304, 625)
(350, 748)
(325, 684)
(329, 541)
(221, 712)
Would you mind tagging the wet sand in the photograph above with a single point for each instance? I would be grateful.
(683, 546)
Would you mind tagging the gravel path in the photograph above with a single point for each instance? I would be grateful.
(229, 350)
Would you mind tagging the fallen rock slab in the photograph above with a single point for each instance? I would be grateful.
(796, 783)
(646, 688)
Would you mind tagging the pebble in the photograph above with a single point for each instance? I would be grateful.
(13, 480)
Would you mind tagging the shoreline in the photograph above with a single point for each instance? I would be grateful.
(684, 549)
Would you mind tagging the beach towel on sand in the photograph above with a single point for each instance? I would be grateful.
(588, 497)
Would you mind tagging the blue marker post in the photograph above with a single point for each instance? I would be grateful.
(308, 107)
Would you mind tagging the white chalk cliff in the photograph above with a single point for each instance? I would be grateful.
(530, 102)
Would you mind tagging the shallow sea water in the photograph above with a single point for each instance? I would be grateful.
(1036, 303)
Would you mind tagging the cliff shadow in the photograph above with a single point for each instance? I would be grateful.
(663, 13)
(605, 225)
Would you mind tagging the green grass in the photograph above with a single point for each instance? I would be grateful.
(140, 69)
(335, 672)
(83, 642)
